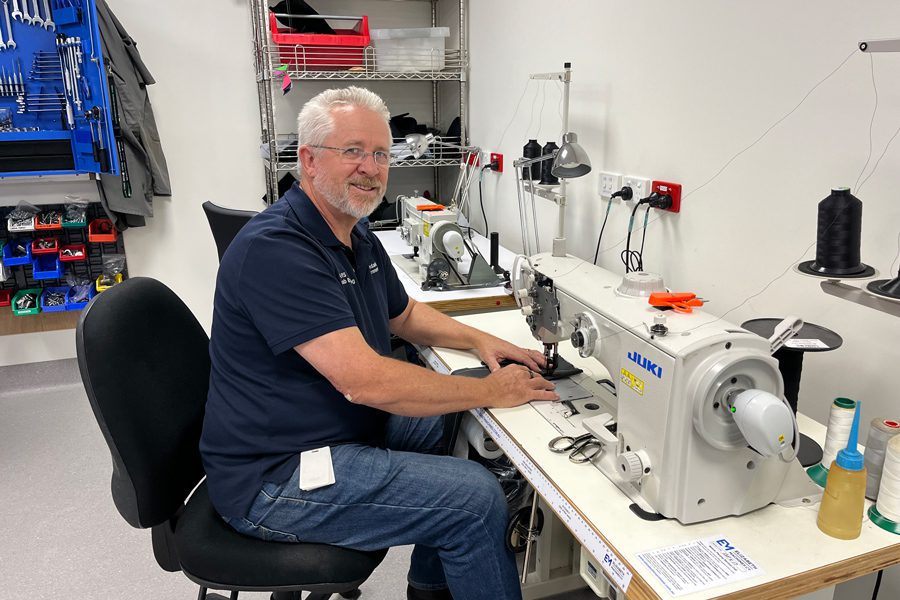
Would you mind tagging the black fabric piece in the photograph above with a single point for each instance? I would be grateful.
(403, 125)
(455, 129)
(299, 7)
(563, 370)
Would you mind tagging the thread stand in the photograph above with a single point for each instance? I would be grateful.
(814, 338)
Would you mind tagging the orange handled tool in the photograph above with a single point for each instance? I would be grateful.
(430, 207)
(682, 302)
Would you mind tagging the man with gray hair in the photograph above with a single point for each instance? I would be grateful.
(302, 383)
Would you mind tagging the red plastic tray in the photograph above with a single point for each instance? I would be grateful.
(101, 230)
(52, 250)
(65, 258)
(320, 51)
(5, 297)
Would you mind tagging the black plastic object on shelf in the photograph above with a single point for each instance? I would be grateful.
(886, 288)
(54, 97)
(838, 239)
(548, 178)
(532, 150)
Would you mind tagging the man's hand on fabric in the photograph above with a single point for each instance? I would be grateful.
(492, 350)
(514, 385)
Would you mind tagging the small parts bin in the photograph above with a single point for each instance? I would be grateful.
(79, 296)
(26, 302)
(5, 297)
(48, 220)
(342, 50)
(73, 253)
(48, 245)
(101, 286)
(409, 50)
(17, 252)
(53, 299)
(101, 230)
(47, 266)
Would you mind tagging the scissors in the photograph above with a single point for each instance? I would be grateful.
(581, 449)
(682, 302)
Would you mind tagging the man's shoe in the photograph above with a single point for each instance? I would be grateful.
(417, 594)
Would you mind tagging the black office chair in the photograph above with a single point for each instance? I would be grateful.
(225, 223)
(144, 361)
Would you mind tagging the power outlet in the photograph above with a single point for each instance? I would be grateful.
(610, 183)
(640, 186)
(497, 159)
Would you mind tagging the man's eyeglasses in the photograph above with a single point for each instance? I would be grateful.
(355, 156)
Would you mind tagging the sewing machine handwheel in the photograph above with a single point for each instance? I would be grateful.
(517, 532)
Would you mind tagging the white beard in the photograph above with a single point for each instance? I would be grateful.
(338, 196)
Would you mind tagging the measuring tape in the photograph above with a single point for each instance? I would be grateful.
(614, 568)
(583, 532)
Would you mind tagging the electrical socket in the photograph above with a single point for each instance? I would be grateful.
(640, 186)
(610, 183)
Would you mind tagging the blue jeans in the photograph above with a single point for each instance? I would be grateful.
(453, 510)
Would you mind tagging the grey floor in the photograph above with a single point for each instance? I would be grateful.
(61, 535)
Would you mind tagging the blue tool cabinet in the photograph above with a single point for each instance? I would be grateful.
(55, 116)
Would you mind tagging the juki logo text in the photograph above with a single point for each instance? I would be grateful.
(646, 364)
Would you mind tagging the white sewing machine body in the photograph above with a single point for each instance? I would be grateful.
(677, 445)
(416, 227)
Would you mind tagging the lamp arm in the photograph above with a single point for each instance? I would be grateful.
(891, 45)
(526, 162)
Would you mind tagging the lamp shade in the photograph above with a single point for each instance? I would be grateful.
(572, 160)
(418, 143)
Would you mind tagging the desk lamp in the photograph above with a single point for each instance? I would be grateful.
(569, 162)
(418, 143)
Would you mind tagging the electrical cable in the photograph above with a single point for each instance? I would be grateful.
(627, 256)
(877, 584)
(481, 200)
(871, 122)
(606, 218)
(644, 237)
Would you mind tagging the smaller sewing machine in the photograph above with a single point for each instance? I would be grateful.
(702, 429)
(446, 259)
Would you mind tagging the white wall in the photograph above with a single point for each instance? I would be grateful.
(672, 91)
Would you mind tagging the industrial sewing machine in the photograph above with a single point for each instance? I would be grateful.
(702, 430)
(446, 259)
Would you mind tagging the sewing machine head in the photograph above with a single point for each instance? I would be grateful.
(690, 441)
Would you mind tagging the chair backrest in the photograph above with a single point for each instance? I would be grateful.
(144, 362)
(225, 224)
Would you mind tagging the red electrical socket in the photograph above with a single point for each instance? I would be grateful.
(667, 188)
(499, 159)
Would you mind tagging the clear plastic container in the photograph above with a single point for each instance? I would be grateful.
(409, 50)
(843, 503)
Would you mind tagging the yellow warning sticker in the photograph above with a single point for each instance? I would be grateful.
(781, 438)
(426, 228)
(635, 383)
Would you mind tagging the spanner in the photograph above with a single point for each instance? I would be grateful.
(2, 43)
(16, 10)
(48, 17)
(11, 43)
(36, 17)
(26, 18)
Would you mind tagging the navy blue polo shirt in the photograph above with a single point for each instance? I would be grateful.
(285, 280)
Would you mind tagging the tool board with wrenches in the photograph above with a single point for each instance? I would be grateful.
(55, 115)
